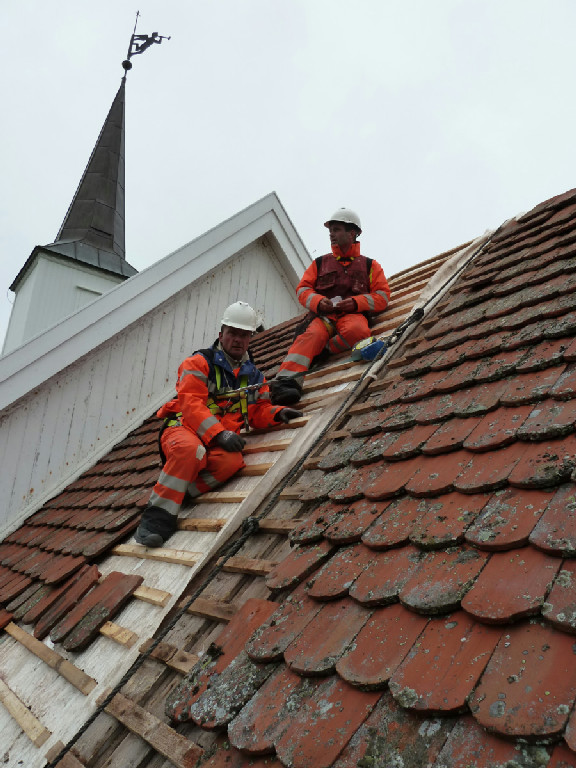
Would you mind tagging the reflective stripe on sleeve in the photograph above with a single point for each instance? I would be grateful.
(299, 359)
(198, 374)
(205, 425)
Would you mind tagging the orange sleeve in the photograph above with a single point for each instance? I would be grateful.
(192, 389)
(305, 292)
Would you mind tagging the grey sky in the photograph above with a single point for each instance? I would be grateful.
(435, 120)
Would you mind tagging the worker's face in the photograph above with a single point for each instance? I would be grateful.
(340, 236)
(234, 341)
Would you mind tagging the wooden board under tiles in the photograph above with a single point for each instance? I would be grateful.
(204, 524)
(248, 565)
(32, 727)
(77, 677)
(165, 740)
(276, 445)
(163, 554)
(336, 378)
(255, 470)
(173, 657)
(119, 634)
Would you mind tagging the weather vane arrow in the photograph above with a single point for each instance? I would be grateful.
(139, 43)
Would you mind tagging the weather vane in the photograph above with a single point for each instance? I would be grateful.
(139, 43)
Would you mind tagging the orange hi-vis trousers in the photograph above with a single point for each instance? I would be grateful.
(349, 330)
(190, 468)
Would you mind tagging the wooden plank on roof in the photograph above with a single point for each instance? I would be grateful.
(31, 726)
(292, 424)
(337, 378)
(202, 524)
(271, 525)
(254, 470)
(68, 761)
(248, 565)
(152, 596)
(165, 740)
(290, 493)
(278, 445)
(212, 609)
(119, 634)
(77, 677)
(341, 366)
(163, 554)
(173, 657)
(222, 497)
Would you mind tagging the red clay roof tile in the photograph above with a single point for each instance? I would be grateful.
(219, 704)
(529, 685)
(555, 532)
(339, 573)
(512, 585)
(440, 671)
(349, 525)
(271, 639)
(508, 519)
(324, 724)
(391, 736)
(380, 647)
(385, 576)
(228, 645)
(98, 606)
(442, 579)
(299, 564)
(327, 636)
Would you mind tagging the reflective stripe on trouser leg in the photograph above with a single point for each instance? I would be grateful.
(220, 466)
(185, 458)
(351, 329)
(304, 348)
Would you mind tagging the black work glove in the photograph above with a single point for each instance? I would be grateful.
(230, 441)
(287, 414)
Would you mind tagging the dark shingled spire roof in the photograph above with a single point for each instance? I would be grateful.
(93, 229)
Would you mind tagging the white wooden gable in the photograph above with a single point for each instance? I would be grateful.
(69, 394)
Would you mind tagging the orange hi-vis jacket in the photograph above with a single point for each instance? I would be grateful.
(375, 300)
(197, 386)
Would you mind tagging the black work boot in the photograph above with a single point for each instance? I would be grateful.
(285, 390)
(156, 527)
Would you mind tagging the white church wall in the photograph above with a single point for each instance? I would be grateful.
(67, 422)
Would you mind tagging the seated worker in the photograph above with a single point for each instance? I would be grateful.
(200, 444)
(341, 289)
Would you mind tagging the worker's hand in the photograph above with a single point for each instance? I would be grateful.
(229, 440)
(287, 414)
(347, 306)
(325, 307)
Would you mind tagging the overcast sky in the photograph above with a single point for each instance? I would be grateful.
(435, 119)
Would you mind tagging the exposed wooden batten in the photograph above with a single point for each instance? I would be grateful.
(255, 470)
(278, 445)
(180, 661)
(164, 555)
(153, 596)
(79, 679)
(212, 609)
(284, 527)
(202, 524)
(119, 634)
(222, 497)
(161, 737)
(248, 565)
(31, 726)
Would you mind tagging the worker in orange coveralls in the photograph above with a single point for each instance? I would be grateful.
(200, 444)
(340, 289)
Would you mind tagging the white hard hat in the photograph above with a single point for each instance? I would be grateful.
(240, 315)
(346, 216)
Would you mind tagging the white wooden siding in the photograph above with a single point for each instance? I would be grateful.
(64, 425)
(51, 291)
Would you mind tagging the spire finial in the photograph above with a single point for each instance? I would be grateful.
(139, 43)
